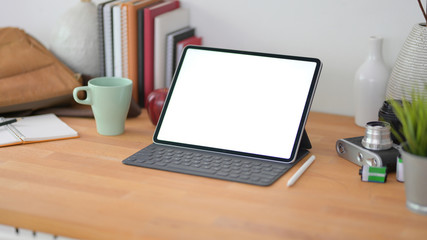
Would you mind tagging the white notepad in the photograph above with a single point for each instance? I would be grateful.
(163, 25)
(31, 129)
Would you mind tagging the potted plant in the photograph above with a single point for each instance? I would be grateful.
(412, 115)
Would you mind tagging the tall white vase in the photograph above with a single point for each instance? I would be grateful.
(410, 69)
(370, 84)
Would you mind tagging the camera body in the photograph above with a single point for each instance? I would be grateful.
(353, 150)
(375, 149)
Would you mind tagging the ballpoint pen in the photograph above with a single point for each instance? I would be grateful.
(9, 121)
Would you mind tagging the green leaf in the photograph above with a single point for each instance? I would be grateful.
(413, 118)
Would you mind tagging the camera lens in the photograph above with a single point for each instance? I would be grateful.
(377, 136)
(386, 114)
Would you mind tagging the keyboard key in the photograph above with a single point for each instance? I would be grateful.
(191, 169)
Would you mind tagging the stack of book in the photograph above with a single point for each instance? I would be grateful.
(142, 40)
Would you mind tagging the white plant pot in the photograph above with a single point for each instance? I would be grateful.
(415, 175)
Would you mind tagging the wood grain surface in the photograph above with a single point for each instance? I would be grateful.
(79, 188)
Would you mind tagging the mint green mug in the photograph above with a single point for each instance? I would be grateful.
(109, 98)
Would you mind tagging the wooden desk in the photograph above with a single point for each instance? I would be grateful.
(79, 188)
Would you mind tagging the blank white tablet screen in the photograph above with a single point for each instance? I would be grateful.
(238, 102)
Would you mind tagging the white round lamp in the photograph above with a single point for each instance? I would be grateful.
(74, 39)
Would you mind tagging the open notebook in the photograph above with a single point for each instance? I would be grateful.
(234, 112)
(31, 129)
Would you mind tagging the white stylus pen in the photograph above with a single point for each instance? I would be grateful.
(300, 171)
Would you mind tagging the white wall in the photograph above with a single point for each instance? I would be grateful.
(336, 31)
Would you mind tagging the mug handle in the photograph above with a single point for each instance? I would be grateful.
(88, 100)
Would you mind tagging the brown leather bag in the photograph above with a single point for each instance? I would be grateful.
(31, 77)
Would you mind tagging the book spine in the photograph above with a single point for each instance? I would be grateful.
(117, 41)
(108, 41)
(140, 62)
(169, 60)
(101, 37)
(125, 41)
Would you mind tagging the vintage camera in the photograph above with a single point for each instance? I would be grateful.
(374, 149)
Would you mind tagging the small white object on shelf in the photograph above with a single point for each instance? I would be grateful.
(74, 39)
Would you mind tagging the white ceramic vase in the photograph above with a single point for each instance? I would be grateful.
(410, 69)
(74, 39)
(370, 84)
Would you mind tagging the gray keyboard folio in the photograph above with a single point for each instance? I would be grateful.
(207, 164)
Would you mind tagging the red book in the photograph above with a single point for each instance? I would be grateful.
(182, 44)
(149, 14)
